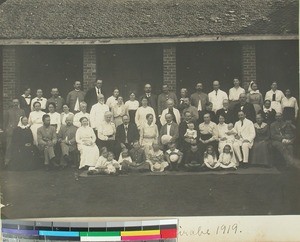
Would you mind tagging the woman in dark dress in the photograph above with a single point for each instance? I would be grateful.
(24, 155)
(260, 149)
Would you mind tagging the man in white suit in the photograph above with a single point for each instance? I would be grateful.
(244, 138)
(171, 110)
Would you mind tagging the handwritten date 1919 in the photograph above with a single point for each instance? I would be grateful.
(227, 229)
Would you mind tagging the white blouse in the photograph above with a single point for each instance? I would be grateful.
(36, 117)
(290, 102)
(85, 134)
(55, 120)
(132, 105)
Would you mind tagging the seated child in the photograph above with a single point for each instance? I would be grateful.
(112, 165)
(138, 157)
(124, 158)
(227, 158)
(193, 159)
(156, 159)
(229, 137)
(190, 135)
(173, 156)
(105, 163)
(210, 158)
(100, 164)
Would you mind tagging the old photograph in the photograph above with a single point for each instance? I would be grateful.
(130, 108)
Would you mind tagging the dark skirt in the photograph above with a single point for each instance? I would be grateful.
(132, 115)
(24, 159)
(260, 153)
(203, 147)
(289, 113)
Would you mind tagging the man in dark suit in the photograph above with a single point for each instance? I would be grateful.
(25, 101)
(91, 97)
(227, 113)
(208, 109)
(246, 107)
(126, 133)
(170, 129)
(152, 98)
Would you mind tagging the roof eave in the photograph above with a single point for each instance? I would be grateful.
(147, 40)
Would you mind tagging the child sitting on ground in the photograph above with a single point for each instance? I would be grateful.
(227, 159)
(173, 156)
(124, 158)
(138, 158)
(193, 159)
(105, 163)
(156, 159)
(190, 135)
(101, 163)
(210, 158)
(112, 165)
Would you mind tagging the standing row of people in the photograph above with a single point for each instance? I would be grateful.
(158, 109)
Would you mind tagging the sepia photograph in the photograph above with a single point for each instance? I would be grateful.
(126, 108)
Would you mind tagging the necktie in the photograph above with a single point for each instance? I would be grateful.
(98, 89)
(274, 97)
(126, 130)
(216, 92)
(242, 121)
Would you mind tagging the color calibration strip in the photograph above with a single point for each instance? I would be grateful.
(150, 230)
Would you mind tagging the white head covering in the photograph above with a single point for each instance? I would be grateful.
(22, 126)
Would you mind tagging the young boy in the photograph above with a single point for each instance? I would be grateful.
(173, 156)
(193, 159)
(138, 157)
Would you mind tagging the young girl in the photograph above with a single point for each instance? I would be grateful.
(190, 135)
(101, 163)
(173, 156)
(210, 158)
(156, 159)
(227, 158)
(112, 165)
(124, 158)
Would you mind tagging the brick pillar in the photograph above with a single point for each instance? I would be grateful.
(89, 66)
(248, 61)
(169, 63)
(9, 72)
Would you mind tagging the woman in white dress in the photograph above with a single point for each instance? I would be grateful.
(289, 106)
(141, 113)
(66, 112)
(148, 134)
(54, 117)
(36, 120)
(86, 138)
(132, 105)
(118, 111)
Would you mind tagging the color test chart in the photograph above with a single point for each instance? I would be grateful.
(150, 230)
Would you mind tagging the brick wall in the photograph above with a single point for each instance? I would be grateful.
(248, 61)
(169, 65)
(9, 72)
(89, 66)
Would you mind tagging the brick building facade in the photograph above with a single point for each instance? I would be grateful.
(137, 27)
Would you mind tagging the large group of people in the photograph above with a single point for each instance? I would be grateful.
(197, 132)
